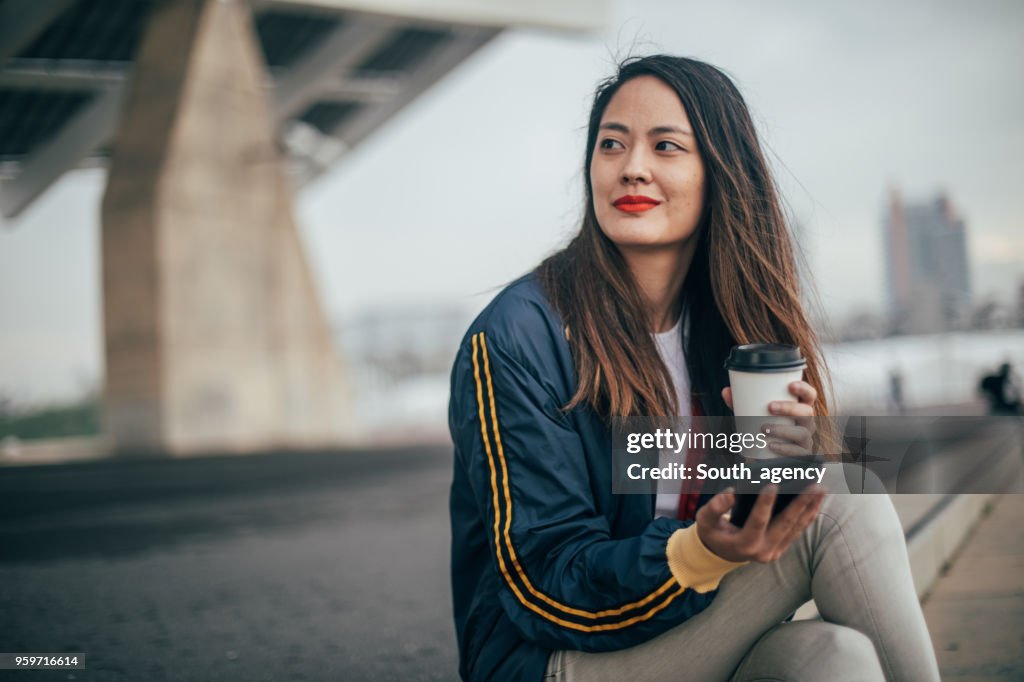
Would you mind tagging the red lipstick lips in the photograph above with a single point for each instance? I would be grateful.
(635, 203)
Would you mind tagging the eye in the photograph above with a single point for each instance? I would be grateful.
(668, 146)
(609, 143)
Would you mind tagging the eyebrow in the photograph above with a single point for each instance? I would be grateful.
(656, 130)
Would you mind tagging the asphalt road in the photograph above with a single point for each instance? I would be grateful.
(281, 567)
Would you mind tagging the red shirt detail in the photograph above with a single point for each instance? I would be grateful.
(690, 494)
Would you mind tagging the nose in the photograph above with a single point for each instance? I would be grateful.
(636, 170)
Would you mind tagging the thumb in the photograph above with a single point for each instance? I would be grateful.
(727, 396)
(720, 503)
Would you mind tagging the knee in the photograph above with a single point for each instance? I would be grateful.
(811, 650)
(840, 652)
(841, 642)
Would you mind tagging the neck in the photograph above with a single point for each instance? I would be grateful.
(660, 273)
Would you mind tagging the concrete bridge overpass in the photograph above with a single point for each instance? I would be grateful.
(209, 114)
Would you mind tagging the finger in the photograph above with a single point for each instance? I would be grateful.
(782, 526)
(815, 507)
(802, 521)
(809, 423)
(787, 433)
(806, 504)
(787, 449)
(761, 514)
(716, 507)
(784, 434)
(727, 396)
(803, 392)
(789, 408)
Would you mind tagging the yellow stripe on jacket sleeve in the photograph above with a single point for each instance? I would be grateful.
(665, 589)
(494, 482)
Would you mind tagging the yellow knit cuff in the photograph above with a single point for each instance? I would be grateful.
(694, 565)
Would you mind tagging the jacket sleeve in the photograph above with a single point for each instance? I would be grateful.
(566, 583)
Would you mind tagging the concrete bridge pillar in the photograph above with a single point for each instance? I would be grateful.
(215, 338)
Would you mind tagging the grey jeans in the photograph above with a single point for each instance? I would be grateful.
(852, 560)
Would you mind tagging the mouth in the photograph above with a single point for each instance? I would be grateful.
(635, 203)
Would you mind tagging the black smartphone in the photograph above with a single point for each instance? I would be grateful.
(745, 503)
(746, 495)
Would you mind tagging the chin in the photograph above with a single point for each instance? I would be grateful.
(641, 246)
(635, 234)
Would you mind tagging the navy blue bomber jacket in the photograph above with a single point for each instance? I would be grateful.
(544, 556)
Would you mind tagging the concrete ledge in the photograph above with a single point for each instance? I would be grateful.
(933, 542)
(14, 452)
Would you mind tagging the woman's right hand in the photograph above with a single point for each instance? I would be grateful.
(762, 538)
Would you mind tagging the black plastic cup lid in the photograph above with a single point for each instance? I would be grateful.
(764, 357)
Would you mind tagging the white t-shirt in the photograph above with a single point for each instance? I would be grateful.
(670, 347)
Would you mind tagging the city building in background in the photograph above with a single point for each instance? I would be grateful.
(927, 272)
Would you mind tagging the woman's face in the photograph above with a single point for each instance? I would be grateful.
(646, 173)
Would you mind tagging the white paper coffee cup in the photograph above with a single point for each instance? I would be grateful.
(760, 373)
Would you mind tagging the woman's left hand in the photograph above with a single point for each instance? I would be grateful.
(790, 441)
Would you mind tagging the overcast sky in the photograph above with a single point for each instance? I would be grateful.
(479, 178)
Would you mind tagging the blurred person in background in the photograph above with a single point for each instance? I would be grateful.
(1002, 390)
(896, 405)
(683, 252)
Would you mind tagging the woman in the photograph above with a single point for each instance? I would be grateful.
(554, 577)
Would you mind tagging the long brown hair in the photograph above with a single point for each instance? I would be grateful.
(742, 285)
